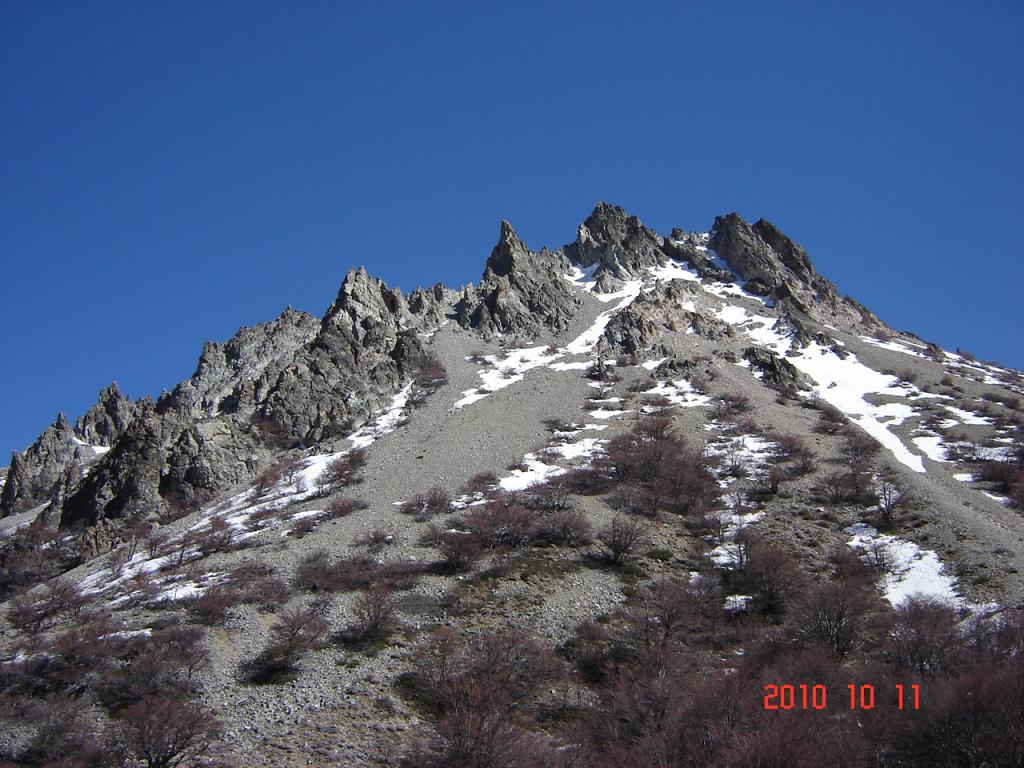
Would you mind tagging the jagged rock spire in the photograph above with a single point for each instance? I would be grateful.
(502, 260)
(772, 264)
(522, 292)
(617, 243)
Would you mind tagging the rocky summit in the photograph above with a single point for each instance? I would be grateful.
(640, 500)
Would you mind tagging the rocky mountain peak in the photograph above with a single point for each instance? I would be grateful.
(521, 292)
(225, 371)
(619, 245)
(365, 305)
(36, 472)
(108, 418)
(502, 260)
(771, 264)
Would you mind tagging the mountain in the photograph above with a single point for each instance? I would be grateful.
(470, 527)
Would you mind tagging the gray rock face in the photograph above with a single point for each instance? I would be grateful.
(302, 381)
(522, 292)
(618, 245)
(37, 473)
(635, 329)
(777, 372)
(272, 386)
(108, 419)
(362, 352)
(223, 379)
(773, 265)
(61, 455)
(126, 481)
(691, 247)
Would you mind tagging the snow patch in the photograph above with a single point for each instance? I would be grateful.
(912, 570)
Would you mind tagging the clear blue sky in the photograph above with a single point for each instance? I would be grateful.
(170, 171)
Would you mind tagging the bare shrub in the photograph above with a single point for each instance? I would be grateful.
(731, 405)
(770, 478)
(858, 451)
(878, 556)
(924, 638)
(71, 663)
(893, 495)
(64, 738)
(633, 499)
(160, 664)
(587, 481)
(401, 574)
(834, 615)
(436, 662)
(479, 728)
(304, 525)
(213, 604)
(794, 450)
(772, 576)
(273, 432)
(831, 421)
(430, 373)
(1010, 401)
(849, 565)
(343, 470)
(565, 528)
(836, 488)
(376, 540)
(60, 598)
(261, 517)
(342, 506)
(268, 478)
(297, 631)
(560, 425)
(256, 583)
(459, 551)
(218, 536)
(669, 608)
(433, 535)
(424, 506)
(116, 561)
(554, 494)
(621, 538)
(374, 615)
(165, 733)
(653, 458)
(972, 718)
(502, 523)
(318, 572)
(142, 587)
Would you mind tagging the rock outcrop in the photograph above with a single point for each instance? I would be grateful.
(360, 356)
(293, 381)
(777, 372)
(771, 264)
(108, 419)
(615, 245)
(126, 481)
(36, 475)
(522, 292)
(224, 376)
(692, 248)
(299, 381)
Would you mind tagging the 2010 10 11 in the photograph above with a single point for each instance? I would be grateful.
(815, 697)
